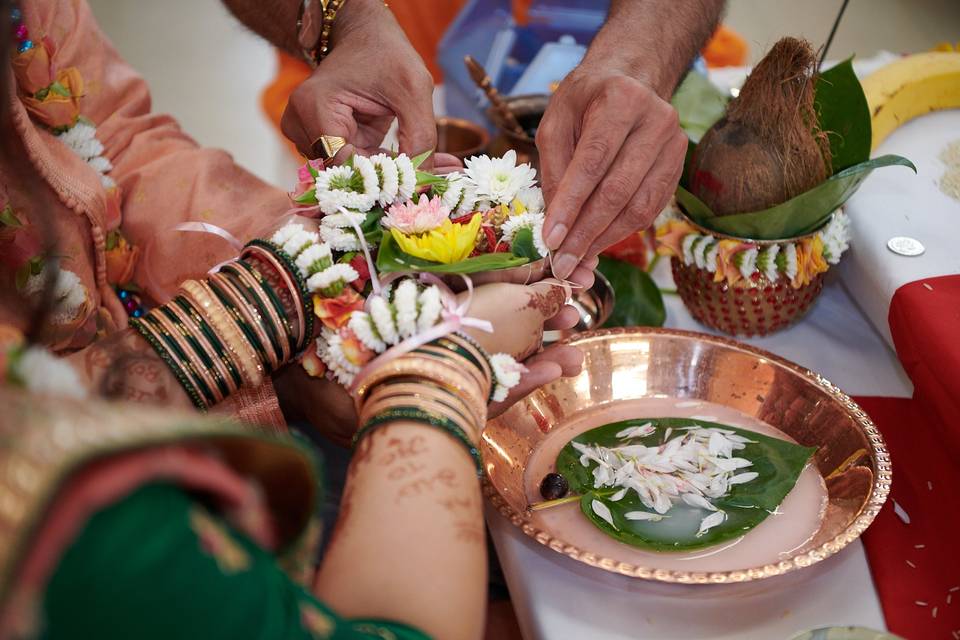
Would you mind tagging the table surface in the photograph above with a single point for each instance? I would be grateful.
(557, 598)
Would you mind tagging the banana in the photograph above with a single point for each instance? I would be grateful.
(910, 87)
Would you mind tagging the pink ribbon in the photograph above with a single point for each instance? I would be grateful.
(453, 317)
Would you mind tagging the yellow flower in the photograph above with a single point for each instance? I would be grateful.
(448, 243)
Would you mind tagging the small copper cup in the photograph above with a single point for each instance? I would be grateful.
(461, 138)
(528, 111)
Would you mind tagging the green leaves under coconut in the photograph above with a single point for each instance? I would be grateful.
(843, 114)
(778, 464)
(391, 257)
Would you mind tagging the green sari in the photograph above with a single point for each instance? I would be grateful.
(120, 521)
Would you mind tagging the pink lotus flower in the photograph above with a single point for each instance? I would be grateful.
(413, 219)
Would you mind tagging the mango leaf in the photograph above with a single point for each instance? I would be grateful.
(638, 300)
(777, 462)
(420, 159)
(699, 103)
(843, 113)
(799, 215)
(391, 258)
(523, 246)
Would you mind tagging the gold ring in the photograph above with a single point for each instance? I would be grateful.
(326, 147)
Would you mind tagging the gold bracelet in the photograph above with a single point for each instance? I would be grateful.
(398, 394)
(243, 353)
(419, 366)
(329, 16)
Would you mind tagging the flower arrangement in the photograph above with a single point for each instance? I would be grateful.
(487, 217)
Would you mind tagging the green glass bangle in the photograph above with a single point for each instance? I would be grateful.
(272, 331)
(483, 352)
(197, 348)
(184, 361)
(178, 373)
(294, 272)
(238, 320)
(211, 336)
(274, 301)
(415, 414)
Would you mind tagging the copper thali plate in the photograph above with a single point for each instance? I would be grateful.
(628, 364)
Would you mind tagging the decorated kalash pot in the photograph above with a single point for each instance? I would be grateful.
(759, 216)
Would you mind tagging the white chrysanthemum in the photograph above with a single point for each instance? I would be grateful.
(748, 261)
(300, 241)
(499, 179)
(700, 251)
(383, 320)
(532, 199)
(340, 239)
(430, 307)
(330, 350)
(453, 194)
(790, 253)
(82, 140)
(529, 220)
(687, 246)
(836, 237)
(285, 232)
(314, 259)
(389, 178)
(354, 188)
(42, 372)
(407, 176)
(69, 294)
(506, 374)
(710, 257)
(362, 326)
(405, 302)
(332, 275)
(767, 262)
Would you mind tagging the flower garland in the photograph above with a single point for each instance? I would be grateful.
(356, 328)
(798, 262)
(34, 368)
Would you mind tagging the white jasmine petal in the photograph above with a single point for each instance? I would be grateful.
(643, 515)
(711, 521)
(742, 478)
(603, 511)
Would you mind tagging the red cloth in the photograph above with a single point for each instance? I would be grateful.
(923, 436)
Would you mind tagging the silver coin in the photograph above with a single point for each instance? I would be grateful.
(904, 246)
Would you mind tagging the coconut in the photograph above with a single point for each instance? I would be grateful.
(768, 147)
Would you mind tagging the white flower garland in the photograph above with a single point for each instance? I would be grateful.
(405, 301)
(39, 371)
(407, 174)
(506, 375)
(81, 138)
(346, 187)
(69, 294)
(389, 176)
(453, 192)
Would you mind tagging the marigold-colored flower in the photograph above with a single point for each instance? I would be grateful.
(121, 259)
(670, 237)
(312, 363)
(726, 269)
(353, 349)
(59, 104)
(810, 261)
(335, 312)
(446, 244)
(33, 68)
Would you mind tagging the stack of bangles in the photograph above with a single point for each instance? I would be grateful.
(233, 328)
(445, 384)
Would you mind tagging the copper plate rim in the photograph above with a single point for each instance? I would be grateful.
(879, 490)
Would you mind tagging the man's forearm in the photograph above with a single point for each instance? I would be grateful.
(655, 40)
(273, 20)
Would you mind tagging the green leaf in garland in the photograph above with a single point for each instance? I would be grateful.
(799, 215)
(313, 170)
(371, 227)
(699, 103)
(778, 463)
(843, 113)
(420, 159)
(522, 245)
(638, 300)
(9, 219)
(425, 179)
(307, 197)
(391, 258)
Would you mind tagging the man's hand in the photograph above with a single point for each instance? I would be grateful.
(611, 153)
(611, 148)
(371, 75)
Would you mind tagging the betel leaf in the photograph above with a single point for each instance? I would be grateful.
(844, 115)
(799, 215)
(522, 245)
(638, 300)
(699, 104)
(391, 258)
(778, 463)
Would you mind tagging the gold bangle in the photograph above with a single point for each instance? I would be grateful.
(219, 366)
(241, 306)
(463, 363)
(263, 304)
(402, 392)
(243, 353)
